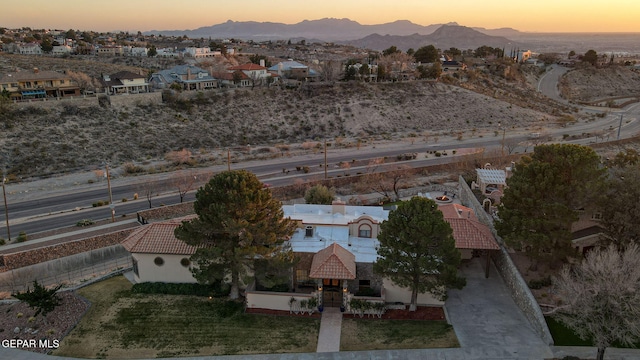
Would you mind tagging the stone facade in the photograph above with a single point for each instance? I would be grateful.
(364, 271)
(40, 255)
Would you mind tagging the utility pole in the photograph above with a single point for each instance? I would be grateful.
(229, 159)
(619, 127)
(325, 159)
(6, 208)
(111, 206)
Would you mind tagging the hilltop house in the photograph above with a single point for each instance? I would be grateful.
(36, 84)
(187, 77)
(124, 82)
(255, 73)
(293, 70)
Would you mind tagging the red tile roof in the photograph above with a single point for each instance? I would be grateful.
(333, 262)
(158, 238)
(468, 232)
(247, 67)
(457, 211)
(471, 234)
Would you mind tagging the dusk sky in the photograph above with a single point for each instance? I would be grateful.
(143, 15)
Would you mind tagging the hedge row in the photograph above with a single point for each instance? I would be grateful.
(216, 290)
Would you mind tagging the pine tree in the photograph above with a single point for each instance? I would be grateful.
(417, 250)
(543, 197)
(238, 224)
(40, 299)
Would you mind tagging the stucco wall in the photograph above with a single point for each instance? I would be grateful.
(171, 271)
(272, 300)
(394, 293)
(517, 286)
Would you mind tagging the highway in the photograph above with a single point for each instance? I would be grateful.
(50, 210)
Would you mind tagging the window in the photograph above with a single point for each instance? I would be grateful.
(158, 261)
(185, 262)
(364, 283)
(135, 267)
(302, 276)
(364, 231)
(596, 216)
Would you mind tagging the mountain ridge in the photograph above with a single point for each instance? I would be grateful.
(326, 29)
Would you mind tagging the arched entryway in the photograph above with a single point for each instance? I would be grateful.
(333, 267)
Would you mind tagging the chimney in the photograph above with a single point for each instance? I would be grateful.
(262, 62)
(36, 70)
(338, 207)
(188, 73)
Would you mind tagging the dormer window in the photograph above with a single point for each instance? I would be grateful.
(364, 231)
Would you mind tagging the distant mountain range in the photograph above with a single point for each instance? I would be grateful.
(445, 37)
(349, 31)
(404, 34)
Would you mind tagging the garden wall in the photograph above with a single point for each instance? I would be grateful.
(517, 286)
(46, 253)
(273, 300)
(66, 269)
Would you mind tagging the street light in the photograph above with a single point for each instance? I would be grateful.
(111, 205)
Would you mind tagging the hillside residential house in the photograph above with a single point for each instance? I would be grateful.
(30, 49)
(188, 77)
(232, 79)
(110, 50)
(124, 82)
(36, 84)
(255, 73)
(293, 70)
(336, 246)
(200, 53)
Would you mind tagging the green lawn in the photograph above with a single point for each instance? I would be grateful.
(563, 336)
(376, 334)
(128, 325)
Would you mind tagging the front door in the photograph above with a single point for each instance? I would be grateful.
(331, 293)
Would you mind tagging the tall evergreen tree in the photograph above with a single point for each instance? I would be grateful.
(543, 198)
(239, 223)
(417, 250)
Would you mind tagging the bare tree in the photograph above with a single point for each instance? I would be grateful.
(330, 70)
(185, 181)
(149, 188)
(601, 297)
(387, 180)
(84, 81)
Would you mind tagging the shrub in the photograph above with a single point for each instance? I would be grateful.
(131, 168)
(540, 283)
(215, 290)
(438, 154)
(22, 237)
(85, 222)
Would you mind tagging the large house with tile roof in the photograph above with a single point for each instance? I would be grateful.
(336, 246)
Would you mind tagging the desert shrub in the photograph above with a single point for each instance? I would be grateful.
(22, 237)
(2, 241)
(319, 194)
(85, 222)
(131, 168)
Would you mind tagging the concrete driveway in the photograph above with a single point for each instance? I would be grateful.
(486, 319)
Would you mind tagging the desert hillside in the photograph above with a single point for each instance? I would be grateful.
(72, 135)
(590, 83)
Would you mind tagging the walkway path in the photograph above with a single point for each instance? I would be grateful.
(486, 319)
(330, 328)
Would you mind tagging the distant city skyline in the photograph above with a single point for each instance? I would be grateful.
(146, 15)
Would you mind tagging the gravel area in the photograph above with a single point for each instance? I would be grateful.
(17, 322)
